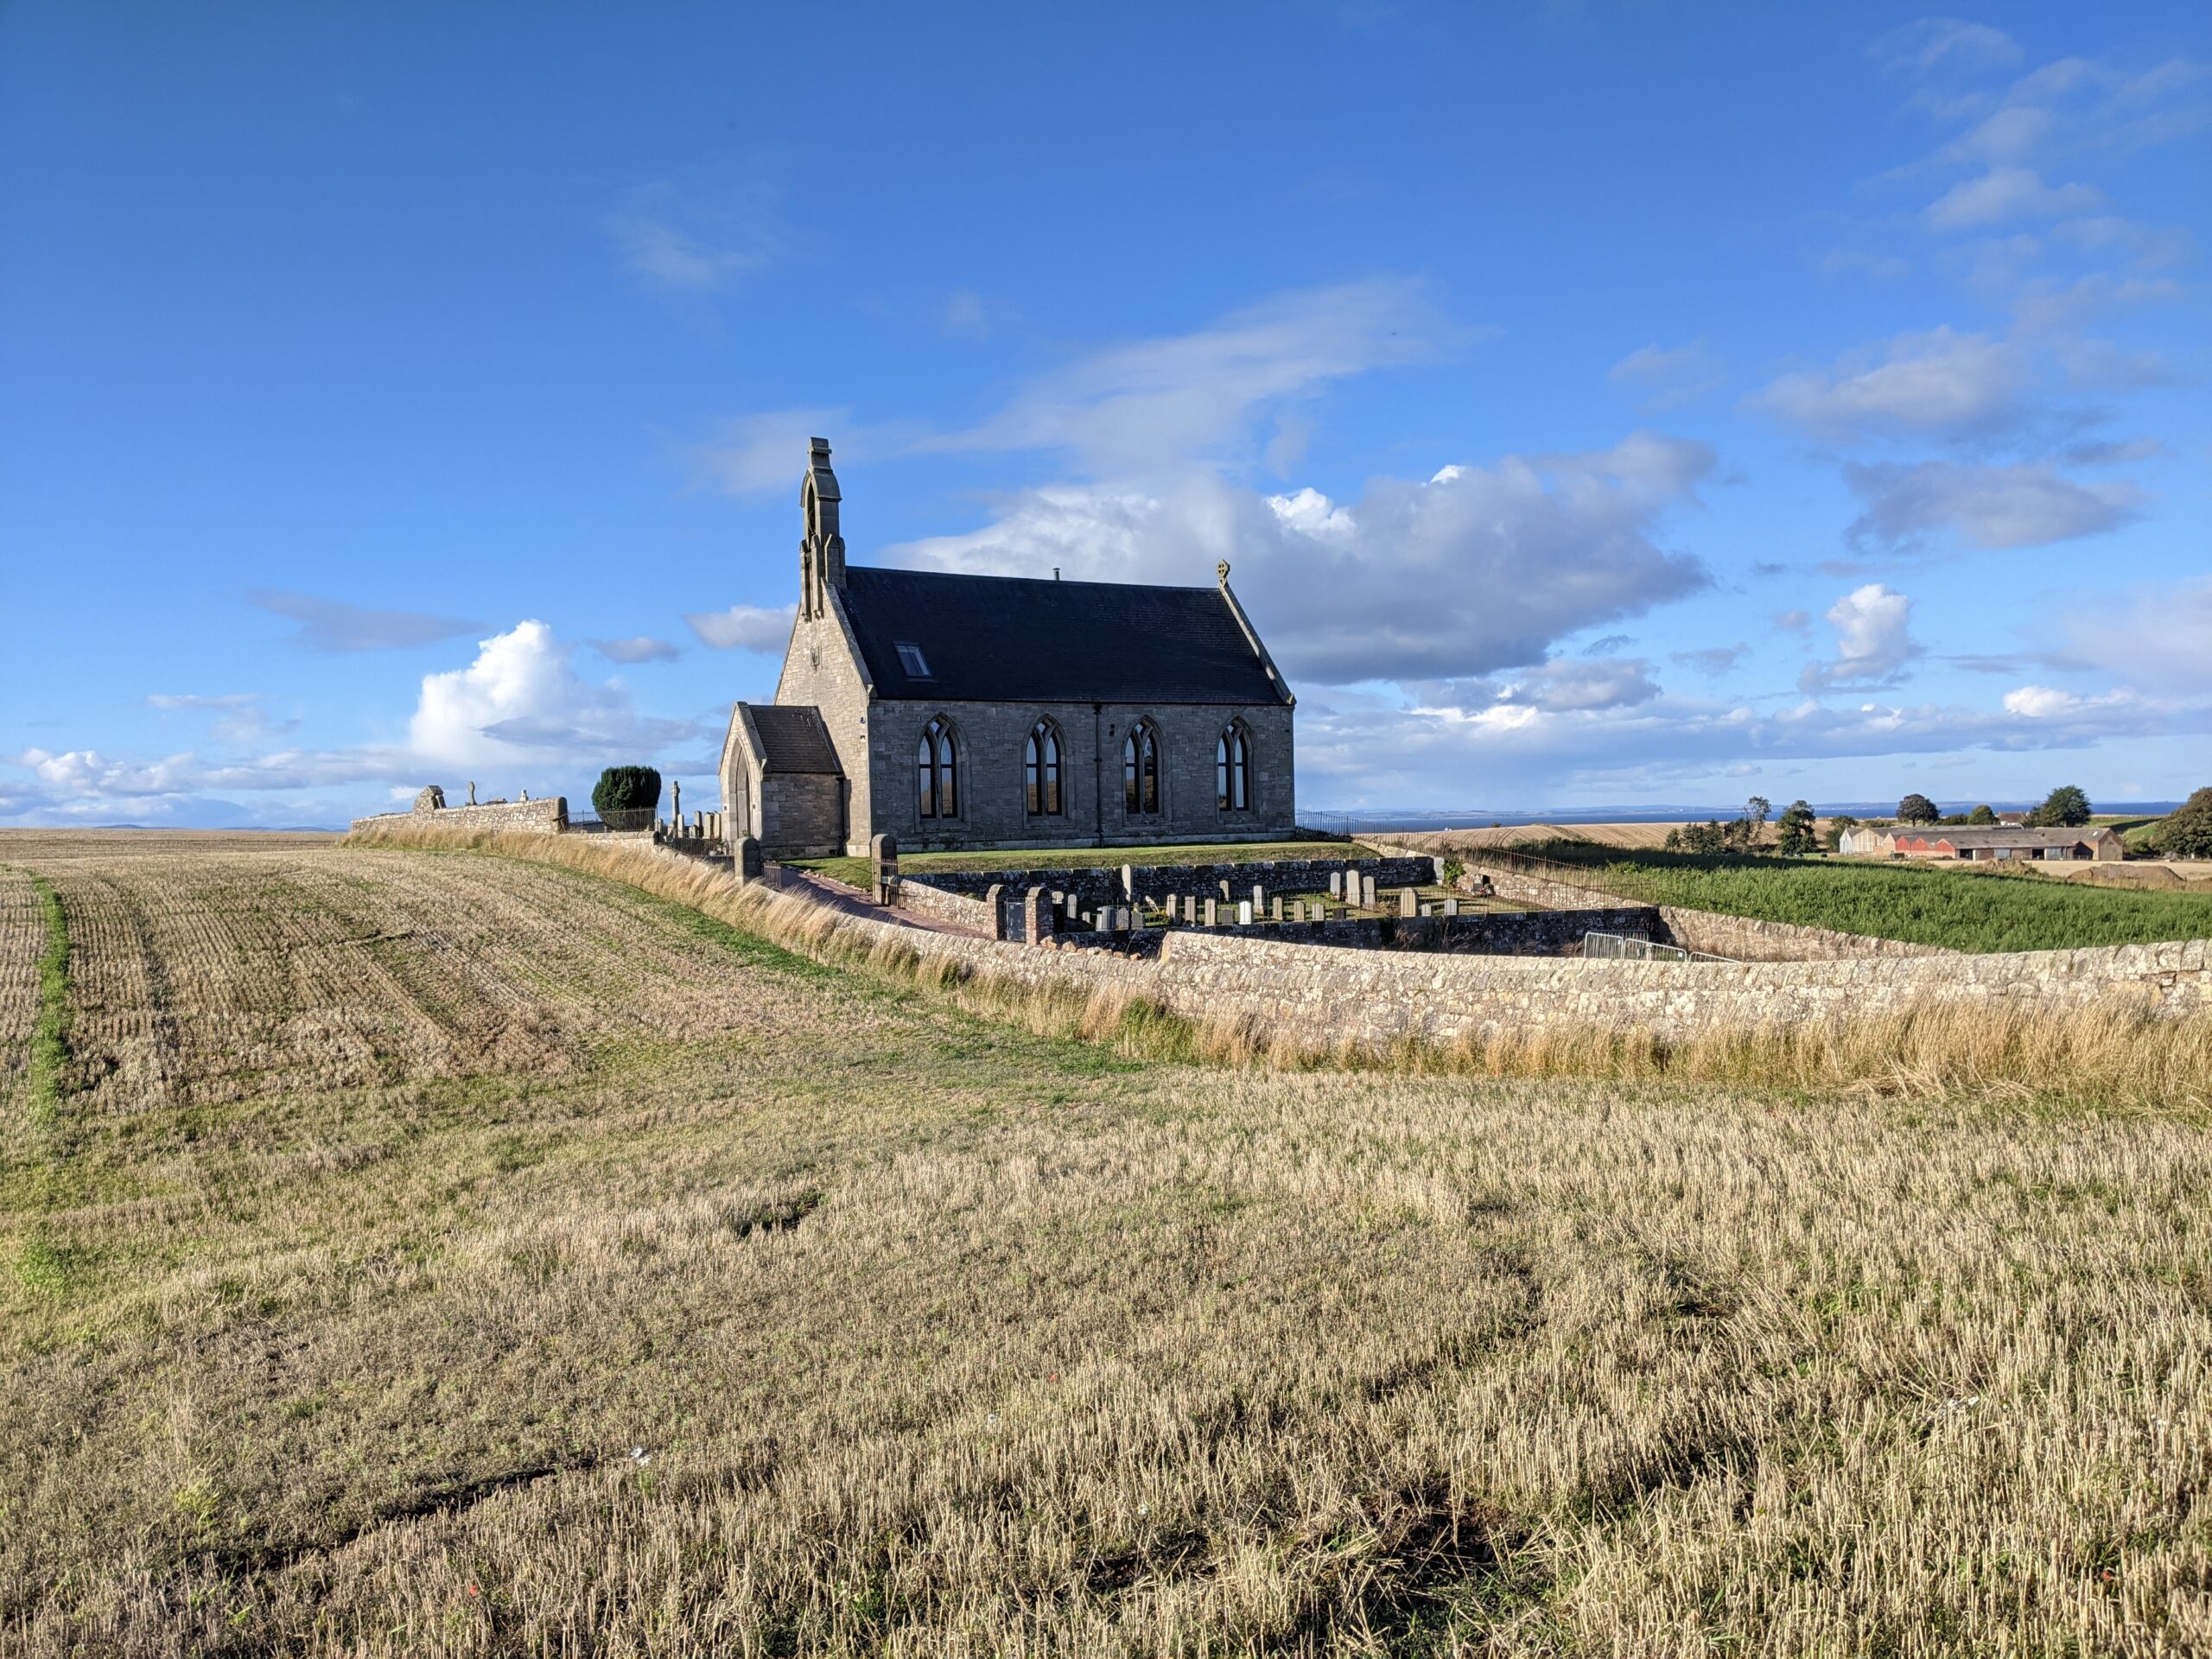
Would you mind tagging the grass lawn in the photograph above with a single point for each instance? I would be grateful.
(444, 1255)
(1966, 909)
(854, 871)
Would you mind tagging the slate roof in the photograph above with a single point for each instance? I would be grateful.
(1013, 640)
(794, 738)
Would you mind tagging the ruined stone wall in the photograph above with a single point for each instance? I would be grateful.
(549, 817)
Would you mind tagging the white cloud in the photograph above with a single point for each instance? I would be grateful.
(637, 648)
(521, 703)
(1478, 569)
(765, 454)
(2025, 505)
(2157, 634)
(1572, 683)
(1662, 378)
(2005, 194)
(746, 627)
(1873, 640)
(1931, 43)
(698, 234)
(334, 627)
(1933, 383)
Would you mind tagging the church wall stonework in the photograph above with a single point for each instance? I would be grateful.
(993, 804)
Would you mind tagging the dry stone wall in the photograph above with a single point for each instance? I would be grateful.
(549, 817)
(1490, 933)
(1094, 885)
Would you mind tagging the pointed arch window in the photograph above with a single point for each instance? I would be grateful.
(1141, 769)
(937, 771)
(1232, 758)
(1040, 770)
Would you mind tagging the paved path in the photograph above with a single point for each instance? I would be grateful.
(821, 890)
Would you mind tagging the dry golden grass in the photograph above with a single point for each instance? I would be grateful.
(937, 1336)
(22, 940)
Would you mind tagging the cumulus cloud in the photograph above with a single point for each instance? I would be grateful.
(1663, 378)
(2023, 504)
(333, 628)
(521, 703)
(1475, 569)
(1873, 640)
(1931, 383)
(1583, 683)
(744, 628)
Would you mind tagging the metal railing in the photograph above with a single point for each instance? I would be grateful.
(1618, 947)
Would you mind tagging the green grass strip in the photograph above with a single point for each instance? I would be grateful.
(50, 1036)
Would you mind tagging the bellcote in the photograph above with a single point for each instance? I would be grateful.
(821, 549)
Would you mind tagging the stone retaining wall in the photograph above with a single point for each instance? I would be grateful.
(549, 817)
(1483, 933)
(925, 899)
(1094, 886)
(1740, 937)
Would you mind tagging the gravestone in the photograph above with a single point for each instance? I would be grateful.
(1128, 882)
(1408, 902)
(1336, 884)
(1259, 899)
(1244, 913)
(1213, 912)
(747, 862)
(883, 867)
(1276, 911)
(1367, 892)
(1190, 909)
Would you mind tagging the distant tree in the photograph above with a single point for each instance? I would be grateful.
(1837, 825)
(1674, 842)
(1793, 831)
(1981, 815)
(1917, 809)
(2064, 808)
(1954, 818)
(2187, 830)
(625, 789)
(1708, 837)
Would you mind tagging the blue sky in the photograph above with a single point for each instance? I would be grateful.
(1599, 405)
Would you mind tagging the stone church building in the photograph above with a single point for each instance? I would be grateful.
(959, 711)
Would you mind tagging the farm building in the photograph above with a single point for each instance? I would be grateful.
(954, 711)
(1981, 843)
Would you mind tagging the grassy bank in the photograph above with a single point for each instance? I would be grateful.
(854, 872)
(1964, 909)
(466, 1256)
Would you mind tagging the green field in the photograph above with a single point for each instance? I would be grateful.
(854, 871)
(1965, 910)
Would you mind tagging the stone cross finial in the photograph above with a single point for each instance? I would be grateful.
(1221, 572)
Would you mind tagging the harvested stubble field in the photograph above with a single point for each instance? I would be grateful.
(436, 1252)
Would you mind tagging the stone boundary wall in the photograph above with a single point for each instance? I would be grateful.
(1483, 933)
(1748, 940)
(1094, 885)
(1377, 998)
(925, 899)
(1742, 938)
(547, 817)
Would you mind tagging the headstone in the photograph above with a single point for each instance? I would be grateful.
(1104, 924)
(883, 867)
(1213, 912)
(1244, 913)
(675, 804)
(1424, 909)
(1367, 892)
(1037, 917)
(995, 896)
(1190, 909)
(1259, 899)
(1128, 882)
(432, 799)
(1451, 907)
(1074, 909)
(747, 861)
(1122, 918)
(1408, 902)
(1336, 884)
(1274, 911)
(1226, 893)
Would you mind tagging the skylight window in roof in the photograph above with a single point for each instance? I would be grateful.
(911, 660)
